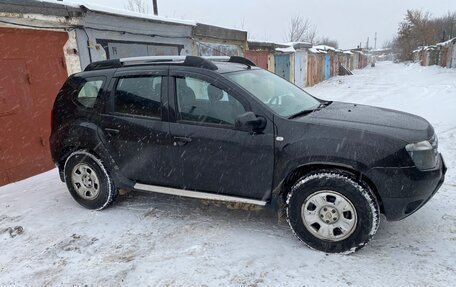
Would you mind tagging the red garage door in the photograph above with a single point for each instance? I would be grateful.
(32, 70)
(260, 58)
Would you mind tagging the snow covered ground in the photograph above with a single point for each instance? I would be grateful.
(159, 240)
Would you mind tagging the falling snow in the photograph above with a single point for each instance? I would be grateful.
(47, 239)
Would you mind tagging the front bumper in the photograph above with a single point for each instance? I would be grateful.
(405, 190)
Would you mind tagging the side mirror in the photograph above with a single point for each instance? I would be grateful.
(250, 122)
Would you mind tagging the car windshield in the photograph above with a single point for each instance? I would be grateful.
(281, 96)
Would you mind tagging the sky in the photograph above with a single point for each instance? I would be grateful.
(349, 22)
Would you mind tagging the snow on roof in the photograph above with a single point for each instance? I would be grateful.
(261, 41)
(348, 52)
(381, 50)
(316, 51)
(324, 48)
(433, 47)
(288, 47)
(219, 26)
(446, 42)
(357, 50)
(286, 50)
(297, 44)
(419, 49)
(122, 12)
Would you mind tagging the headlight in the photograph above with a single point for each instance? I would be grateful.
(423, 154)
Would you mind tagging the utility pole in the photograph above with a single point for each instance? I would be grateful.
(375, 41)
(367, 44)
(154, 2)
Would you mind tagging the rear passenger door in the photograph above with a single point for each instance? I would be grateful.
(134, 125)
(210, 154)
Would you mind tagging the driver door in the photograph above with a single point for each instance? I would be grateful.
(210, 154)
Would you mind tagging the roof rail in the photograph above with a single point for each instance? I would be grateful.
(191, 61)
(200, 62)
(241, 60)
(107, 64)
(153, 59)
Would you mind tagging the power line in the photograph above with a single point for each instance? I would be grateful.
(155, 5)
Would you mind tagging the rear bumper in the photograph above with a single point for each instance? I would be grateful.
(405, 190)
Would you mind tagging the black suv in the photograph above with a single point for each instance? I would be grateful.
(222, 129)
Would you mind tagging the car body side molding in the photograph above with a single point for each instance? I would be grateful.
(197, 194)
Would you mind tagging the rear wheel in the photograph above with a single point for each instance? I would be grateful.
(88, 181)
(331, 212)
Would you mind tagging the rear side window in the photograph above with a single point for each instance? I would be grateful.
(139, 96)
(90, 89)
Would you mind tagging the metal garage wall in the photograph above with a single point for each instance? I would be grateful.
(315, 68)
(334, 64)
(117, 36)
(327, 66)
(282, 65)
(311, 59)
(260, 58)
(443, 56)
(300, 68)
(32, 70)
(123, 49)
(211, 40)
(453, 61)
(218, 49)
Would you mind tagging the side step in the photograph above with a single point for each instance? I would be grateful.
(196, 194)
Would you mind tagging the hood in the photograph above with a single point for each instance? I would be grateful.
(404, 126)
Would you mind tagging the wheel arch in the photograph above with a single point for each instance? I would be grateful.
(86, 137)
(305, 169)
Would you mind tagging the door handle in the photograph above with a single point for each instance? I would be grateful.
(111, 132)
(180, 141)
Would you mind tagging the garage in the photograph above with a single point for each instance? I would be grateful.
(260, 58)
(32, 70)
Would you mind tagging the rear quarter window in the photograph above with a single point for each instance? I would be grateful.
(89, 90)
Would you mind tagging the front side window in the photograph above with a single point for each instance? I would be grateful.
(89, 91)
(139, 96)
(200, 101)
(281, 96)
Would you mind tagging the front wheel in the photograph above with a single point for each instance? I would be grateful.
(331, 212)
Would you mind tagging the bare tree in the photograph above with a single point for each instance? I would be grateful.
(444, 27)
(312, 35)
(328, 42)
(415, 30)
(243, 25)
(301, 30)
(387, 44)
(139, 6)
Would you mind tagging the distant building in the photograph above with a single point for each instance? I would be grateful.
(443, 54)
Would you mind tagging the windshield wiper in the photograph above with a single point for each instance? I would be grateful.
(305, 112)
(301, 113)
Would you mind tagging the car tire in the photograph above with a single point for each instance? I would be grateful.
(332, 212)
(88, 180)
